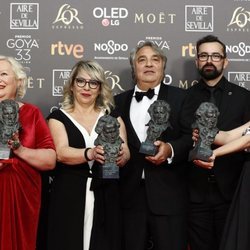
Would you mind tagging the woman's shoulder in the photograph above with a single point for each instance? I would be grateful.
(29, 108)
(56, 114)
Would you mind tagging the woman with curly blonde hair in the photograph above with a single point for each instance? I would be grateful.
(84, 209)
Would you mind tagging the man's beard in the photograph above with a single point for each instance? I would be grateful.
(210, 74)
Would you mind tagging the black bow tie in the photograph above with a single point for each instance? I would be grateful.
(139, 95)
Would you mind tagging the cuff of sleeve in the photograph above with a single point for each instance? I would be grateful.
(170, 159)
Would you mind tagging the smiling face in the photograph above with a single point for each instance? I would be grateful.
(149, 68)
(85, 95)
(8, 81)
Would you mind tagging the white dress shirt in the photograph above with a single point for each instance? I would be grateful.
(139, 116)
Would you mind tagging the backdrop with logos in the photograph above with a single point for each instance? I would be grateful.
(49, 37)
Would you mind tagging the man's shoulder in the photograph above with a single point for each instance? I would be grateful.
(173, 90)
(236, 87)
(123, 95)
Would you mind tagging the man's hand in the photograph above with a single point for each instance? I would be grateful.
(164, 152)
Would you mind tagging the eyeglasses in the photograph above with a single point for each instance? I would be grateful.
(81, 83)
(215, 57)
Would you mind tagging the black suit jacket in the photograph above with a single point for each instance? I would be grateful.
(234, 111)
(165, 184)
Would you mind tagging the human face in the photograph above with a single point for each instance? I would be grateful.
(209, 70)
(211, 118)
(149, 68)
(9, 115)
(85, 94)
(160, 115)
(8, 81)
(111, 132)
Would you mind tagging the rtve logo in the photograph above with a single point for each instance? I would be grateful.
(63, 49)
(188, 50)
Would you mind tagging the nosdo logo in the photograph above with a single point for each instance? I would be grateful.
(110, 47)
(24, 16)
(22, 45)
(241, 50)
(62, 49)
(110, 16)
(60, 77)
(240, 19)
(67, 15)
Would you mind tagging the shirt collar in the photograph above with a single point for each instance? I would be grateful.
(157, 89)
(220, 85)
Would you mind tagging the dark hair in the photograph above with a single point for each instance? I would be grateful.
(210, 39)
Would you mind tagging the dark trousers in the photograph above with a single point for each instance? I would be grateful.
(167, 232)
(207, 220)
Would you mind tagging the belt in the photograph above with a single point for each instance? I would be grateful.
(211, 178)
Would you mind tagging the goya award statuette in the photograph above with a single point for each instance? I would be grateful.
(206, 117)
(9, 124)
(109, 138)
(159, 112)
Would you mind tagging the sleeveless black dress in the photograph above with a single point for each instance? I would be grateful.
(67, 202)
(237, 228)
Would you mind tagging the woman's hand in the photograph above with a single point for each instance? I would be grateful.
(2, 165)
(123, 157)
(205, 164)
(195, 135)
(14, 142)
(97, 154)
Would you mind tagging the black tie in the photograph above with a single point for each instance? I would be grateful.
(212, 96)
(139, 95)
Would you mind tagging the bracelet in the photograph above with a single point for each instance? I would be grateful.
(86, 154)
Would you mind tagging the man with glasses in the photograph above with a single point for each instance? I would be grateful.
(211, 190)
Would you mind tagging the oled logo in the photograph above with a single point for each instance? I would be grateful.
(110, 17)
(63, 49)
(199, 18)
(240, 78)
(24, 16)
(240, 20)
(67, 18)
(60, 77)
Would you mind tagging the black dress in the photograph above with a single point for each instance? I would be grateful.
(67, 202)
(237, 229)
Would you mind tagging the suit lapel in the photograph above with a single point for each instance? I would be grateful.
(131, 134)
(226, 101)
(163, 92)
